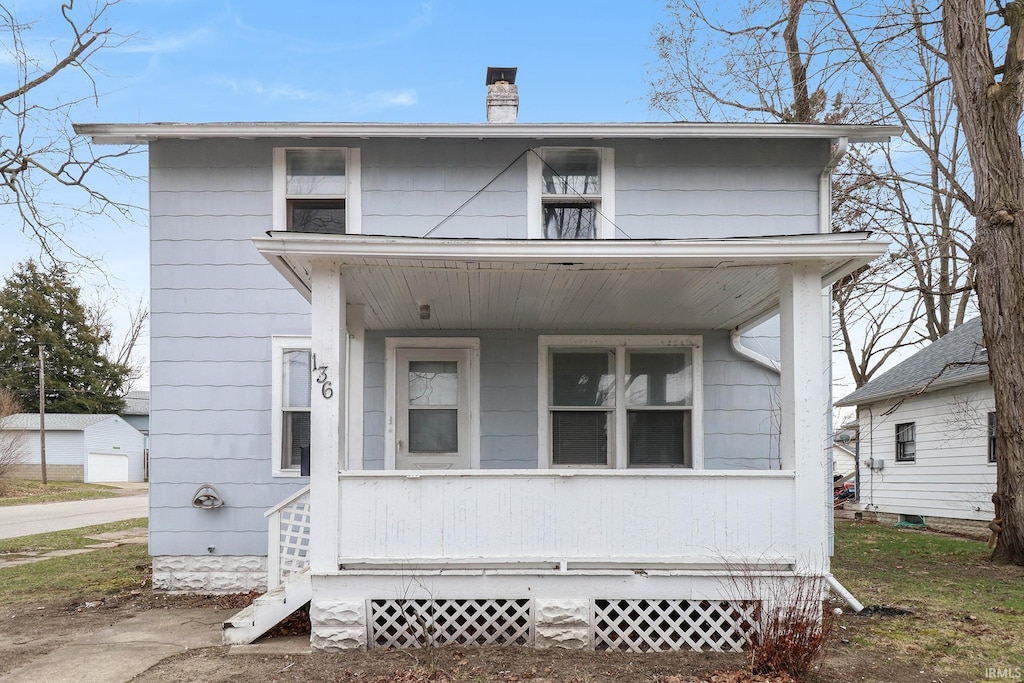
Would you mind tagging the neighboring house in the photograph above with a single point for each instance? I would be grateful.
(511, 358)
(96, 448)
(136, 413)
(136, 410)
(844, 455)
(926, 436)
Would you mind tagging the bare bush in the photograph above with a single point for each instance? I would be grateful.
(791, 622)
(12, 442)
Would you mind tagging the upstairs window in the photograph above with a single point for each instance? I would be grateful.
(906, 446)
(570, 192)
(314, 190)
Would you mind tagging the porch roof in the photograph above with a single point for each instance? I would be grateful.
(554, 285)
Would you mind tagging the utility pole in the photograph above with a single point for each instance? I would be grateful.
(42, 415)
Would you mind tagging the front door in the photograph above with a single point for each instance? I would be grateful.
(433, 421)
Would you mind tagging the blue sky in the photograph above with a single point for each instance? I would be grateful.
(404, 60)
(379, 61)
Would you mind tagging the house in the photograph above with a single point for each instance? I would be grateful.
(491, 376)
(136, 410)
(95, 448)
(927, 446)
(136, 413)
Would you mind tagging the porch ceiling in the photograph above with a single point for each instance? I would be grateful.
(549, 285)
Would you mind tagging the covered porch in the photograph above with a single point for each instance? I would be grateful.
(546, 551)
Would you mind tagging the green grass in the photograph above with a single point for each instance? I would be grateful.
(25, 492)
(66, 540)
(85, 576)
(968, 613)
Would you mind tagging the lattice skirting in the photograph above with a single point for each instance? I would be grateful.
(659, 625)
(624, 625)
(417, 623)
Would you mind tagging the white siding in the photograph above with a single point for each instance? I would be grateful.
(951, 476)
(62, 448)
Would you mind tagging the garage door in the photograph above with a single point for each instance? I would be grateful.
(107, 467)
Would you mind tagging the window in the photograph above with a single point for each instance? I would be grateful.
(991, 437)
(570, 192)
(316, 190)
(290, 432)
(906, 449)
(433, 403)
(620, 401)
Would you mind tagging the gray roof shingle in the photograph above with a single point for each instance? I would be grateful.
(57, 422)
(930, 367)
(136, 403)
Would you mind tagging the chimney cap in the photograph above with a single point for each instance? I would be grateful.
(501, 73)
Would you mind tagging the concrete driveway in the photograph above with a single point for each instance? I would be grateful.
(24, 520)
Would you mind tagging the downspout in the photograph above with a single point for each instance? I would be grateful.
(736, 337)
(842, 145)
(825, 226)
(841, 591)
(825, 185)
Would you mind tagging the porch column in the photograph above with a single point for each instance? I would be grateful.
(327, 412)
(802, 446)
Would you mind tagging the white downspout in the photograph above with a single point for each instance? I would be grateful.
(825, 185)
(736, 337)
(841, 591)
(825, 226)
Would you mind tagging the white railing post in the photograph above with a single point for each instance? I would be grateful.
(273, 549)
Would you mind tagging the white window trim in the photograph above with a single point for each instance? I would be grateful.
(391, 345)
(534, 192)
(620, 456)
(353, 184)
(279, 344)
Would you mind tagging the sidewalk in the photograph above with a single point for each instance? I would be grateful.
(121, 652)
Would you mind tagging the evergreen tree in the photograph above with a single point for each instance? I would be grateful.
(43, 307)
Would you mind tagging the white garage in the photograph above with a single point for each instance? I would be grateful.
(93, 448)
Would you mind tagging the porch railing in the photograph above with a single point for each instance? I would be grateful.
(566, 519)
(288, 538)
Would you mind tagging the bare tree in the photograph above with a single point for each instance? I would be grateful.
(12, 441)
(990, 99)
(121, 349)
(48, 175)
(799, 61)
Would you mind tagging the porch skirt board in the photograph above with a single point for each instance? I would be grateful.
(631, 625)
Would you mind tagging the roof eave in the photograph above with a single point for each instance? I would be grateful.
(128, 133)
(904, 393)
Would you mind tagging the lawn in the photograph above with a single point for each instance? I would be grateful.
(25, 492)
(967, 614)
(87, 575)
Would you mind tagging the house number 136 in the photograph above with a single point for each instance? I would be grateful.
(325, 384)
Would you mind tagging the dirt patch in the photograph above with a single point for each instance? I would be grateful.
(33, 630)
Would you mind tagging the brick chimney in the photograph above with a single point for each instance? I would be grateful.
(502, 95)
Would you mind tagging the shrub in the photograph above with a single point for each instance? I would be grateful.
(12, 442)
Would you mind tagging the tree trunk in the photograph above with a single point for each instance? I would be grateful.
(990, 111)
